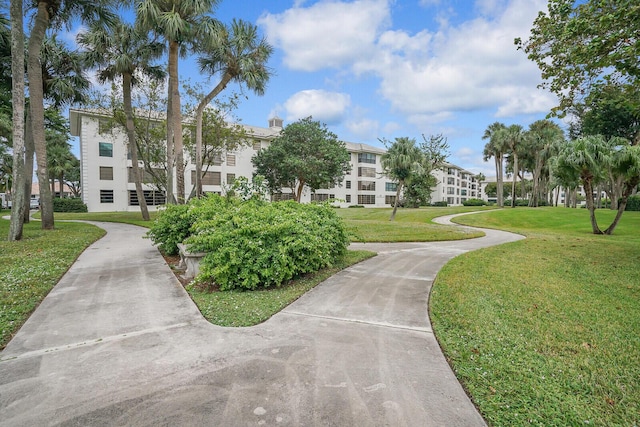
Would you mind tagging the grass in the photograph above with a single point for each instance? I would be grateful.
(410, 225)
(124, 217)
(30, 268)
(544, 331)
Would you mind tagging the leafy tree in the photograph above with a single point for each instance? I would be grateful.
(491, 190)
(417, 190)
(183, 24)
(494, 148)
(306, 154)
(402, 161)
(236, 54)
(50, 13)
(577, 44)
(542, 143)
(124, 52)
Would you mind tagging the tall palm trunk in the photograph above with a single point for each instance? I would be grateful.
(176, 119)
(133, 145)
(499, 183)
(28, 167)
(173, 70)
(588, 189)
(515, 176)
(36, 107)
(226, 78)
(17, 96)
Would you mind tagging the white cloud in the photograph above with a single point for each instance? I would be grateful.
(328, 107)
(364, 129)
(327, 34)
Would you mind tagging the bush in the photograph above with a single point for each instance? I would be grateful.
(68, 205)
(633, 203)
(260, 244)
(440, 204)
(356, 206)
(474, 202)
(522, 202)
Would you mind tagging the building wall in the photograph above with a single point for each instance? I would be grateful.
(105, 177)
(455, 186)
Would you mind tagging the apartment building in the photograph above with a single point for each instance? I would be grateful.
(107, 184)
(455, 186)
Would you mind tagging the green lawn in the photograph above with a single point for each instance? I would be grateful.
(31, 267)
(546, 331)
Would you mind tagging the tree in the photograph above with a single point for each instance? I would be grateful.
(180, 22)
(495, 149)
(435, 151)
(589, 158)
(52, 13)
(511, 138)
(236, 54)
(402, 160)
(124, 52)
(306, 154)
(578, 44)
(542, 144)
(17, 96)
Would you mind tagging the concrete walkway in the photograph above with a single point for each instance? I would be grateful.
(119, 342)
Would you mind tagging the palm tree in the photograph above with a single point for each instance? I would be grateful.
(495, 149)
(400, 162)
(237, 54)
(17, 81)
(48, 13)
(124, 51)
(512, 138)
(544, 137)
(180, 22)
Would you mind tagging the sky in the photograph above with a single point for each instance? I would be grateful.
(382, 69)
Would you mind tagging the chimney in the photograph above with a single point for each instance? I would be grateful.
(275, 123)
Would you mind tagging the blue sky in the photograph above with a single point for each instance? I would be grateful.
(374, 69)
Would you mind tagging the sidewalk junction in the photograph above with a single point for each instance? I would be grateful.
(119, 342)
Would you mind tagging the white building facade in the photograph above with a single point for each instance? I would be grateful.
(107, 185)
(455, 186)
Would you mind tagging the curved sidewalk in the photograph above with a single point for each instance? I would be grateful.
(119, 342)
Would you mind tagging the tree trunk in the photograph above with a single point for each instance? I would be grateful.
(588, 189)
(515, 175)
(173, 70)
(17, 99)
(395, 205)
(133, 145)
(176, 113)
(36, 107)
(622, 204)
(226, 78)
(28, 167)
(298, 191)
(499, 186)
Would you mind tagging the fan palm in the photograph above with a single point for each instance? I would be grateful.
(124, 51)
(401, 160)
(236, 54)
(494, 149)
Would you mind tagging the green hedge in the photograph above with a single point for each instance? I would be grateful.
(254, 243)
(474, 202)
(68, 205)
(440, 204)
(633, 203)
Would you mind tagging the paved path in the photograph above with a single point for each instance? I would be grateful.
(119, 342)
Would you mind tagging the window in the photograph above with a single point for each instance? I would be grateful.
(231, 159)
(105, 149)
(348, 184)
(106, 196)
(231, 177)
(209, 178)
(367, 185)
(366, 199)
(106, 173)
(152, 197)
(451, 190)
(367, 158)
(367, 172)
(463, 193)
(217, 160)
(348, 198)
(451, 181)
(449, 200)
(257, 145)
(281, 196)
(322, 197)
(147, 177)
(390, 200)
(390, 186)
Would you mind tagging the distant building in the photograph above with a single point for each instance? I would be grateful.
(107, 185)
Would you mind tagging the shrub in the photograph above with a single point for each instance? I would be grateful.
(259, 244)
(68, 205)
(474, 202)
(356, 206)
(633, 203)
(440, 204)
(522, 202)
